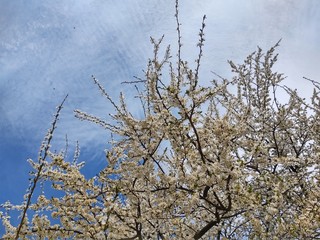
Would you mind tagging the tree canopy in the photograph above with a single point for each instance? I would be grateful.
(234, 159)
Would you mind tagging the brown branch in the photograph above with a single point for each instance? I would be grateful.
(205, 229)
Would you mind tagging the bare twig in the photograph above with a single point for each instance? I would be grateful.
(314, 82)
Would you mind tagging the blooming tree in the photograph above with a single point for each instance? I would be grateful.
(229, 160)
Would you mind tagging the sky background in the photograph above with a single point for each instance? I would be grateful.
(51, 48)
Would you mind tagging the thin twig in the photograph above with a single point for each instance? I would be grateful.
(314, 82)
(139, 80)
(200, 45)
(42, 157)
(179, 42)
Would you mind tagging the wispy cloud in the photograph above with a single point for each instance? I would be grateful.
(49, 49)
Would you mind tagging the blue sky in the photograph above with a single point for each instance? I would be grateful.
(51, 48)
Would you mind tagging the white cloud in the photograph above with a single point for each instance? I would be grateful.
(55, 47)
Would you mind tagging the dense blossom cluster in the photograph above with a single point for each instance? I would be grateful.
(225, 161)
